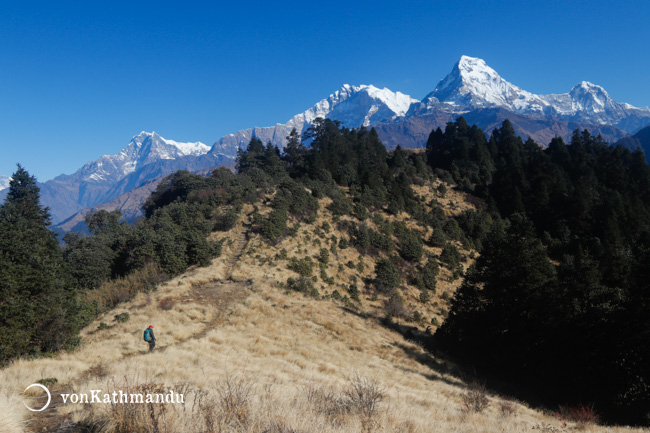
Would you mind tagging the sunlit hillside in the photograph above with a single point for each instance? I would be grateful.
(252, 355)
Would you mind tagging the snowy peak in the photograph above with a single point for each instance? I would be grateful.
(143, 149)
(172, 148)
(4, 182)
(473, 84)
(353, 106)
(588, 96)
(356, 106)
(471, 77)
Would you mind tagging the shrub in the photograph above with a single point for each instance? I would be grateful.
(452, 229)
(301, 267)
(360, 236)
(111, 293)
(394, 306)
(122, 317)
(475, 398)
(343, 243)
(275, 225)
(381, 241)
(324, 256)
(410, 246)
(102, 326)
(386, 276)
(340, 205)
(438, 238)
(507, 408)
(48, 381)
(442, 190)
(282, 255)
(72, 343)
(354, 292)
(234, 398)
(327, 280)
(364, 396)
(360, 211)
(303, 285)
(581, 415)
(429, 273)
(226, 221)
(257, 217)
(450, 256)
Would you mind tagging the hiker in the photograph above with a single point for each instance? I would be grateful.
(149, 337)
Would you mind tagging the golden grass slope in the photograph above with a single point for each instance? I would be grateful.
(251, 357)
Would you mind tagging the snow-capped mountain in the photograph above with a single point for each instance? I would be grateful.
(472, 85)
(144, 148)
(472, 89)
(353, 106)
(147, 156)
(4, 182)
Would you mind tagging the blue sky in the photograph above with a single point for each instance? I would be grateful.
(79, 79)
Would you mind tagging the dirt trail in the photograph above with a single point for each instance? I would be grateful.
(238, 250)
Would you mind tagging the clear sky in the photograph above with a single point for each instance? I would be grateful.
(79, 79)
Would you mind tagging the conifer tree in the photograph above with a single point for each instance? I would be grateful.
(35, 291)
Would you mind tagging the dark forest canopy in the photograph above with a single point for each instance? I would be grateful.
(557, 302)
(559, 298)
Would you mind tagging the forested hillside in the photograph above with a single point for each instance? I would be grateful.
(555, 307)
(559, 298)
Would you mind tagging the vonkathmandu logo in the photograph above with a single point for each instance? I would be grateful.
(96, 396)
(49, 397)
(121, 397)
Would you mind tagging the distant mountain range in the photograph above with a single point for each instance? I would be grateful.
(472, 89)
(640, 140)
(148, 156)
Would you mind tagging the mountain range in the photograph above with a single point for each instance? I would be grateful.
(472, 89)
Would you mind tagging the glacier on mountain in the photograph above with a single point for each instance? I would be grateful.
(472, 85)
(353, 106)
(143, 149)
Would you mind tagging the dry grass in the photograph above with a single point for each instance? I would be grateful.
(277, 362)
(254, 358)
(11, 420)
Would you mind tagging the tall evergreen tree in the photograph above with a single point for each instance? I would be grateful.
(36, 299)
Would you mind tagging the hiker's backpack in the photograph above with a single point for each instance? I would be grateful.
(147, 335)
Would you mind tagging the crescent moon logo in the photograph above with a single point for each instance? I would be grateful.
(49, 397)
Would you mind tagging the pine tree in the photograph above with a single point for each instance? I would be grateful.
(294, 154)
(36, 299)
